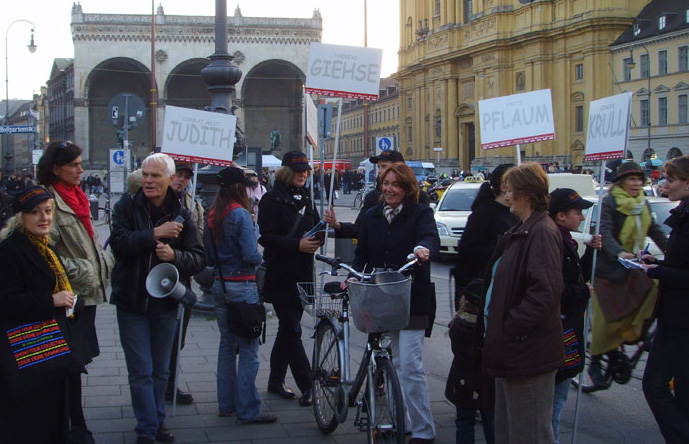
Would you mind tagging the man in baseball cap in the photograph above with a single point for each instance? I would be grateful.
(387, 156)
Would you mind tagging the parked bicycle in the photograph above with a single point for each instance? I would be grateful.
(378, 302)
(364, 188)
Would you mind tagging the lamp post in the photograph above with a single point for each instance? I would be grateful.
(32, 48)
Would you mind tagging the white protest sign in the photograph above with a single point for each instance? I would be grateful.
(199, 136)
(516, 119)
(608, 127)
(311, 121)
(344, 71)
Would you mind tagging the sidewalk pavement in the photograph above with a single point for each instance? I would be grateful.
(107, 402)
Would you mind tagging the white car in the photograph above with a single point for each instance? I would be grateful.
(660, 210)
(452, 212)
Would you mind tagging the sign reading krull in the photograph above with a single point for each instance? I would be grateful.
(344, 71)
(608, 127)
(516, 119)
(199, 136)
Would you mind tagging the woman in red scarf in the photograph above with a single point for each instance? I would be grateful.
(86, 263)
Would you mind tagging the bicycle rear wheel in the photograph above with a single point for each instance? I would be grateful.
(327, 385)
(358, 200)
(388, 424)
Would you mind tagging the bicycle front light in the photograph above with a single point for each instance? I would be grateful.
(384, 341)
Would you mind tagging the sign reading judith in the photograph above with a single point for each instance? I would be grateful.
(344, 71)
(199, 136)
(516, 119)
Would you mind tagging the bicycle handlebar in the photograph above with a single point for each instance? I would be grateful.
(336, 263)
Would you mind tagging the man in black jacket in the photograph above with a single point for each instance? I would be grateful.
(146, 232)
(565, 209)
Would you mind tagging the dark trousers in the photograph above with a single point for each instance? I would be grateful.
(466, 422)
(668, 359)
(288, 350)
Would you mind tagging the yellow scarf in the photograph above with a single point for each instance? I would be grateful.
(637, 222)
(61, 280)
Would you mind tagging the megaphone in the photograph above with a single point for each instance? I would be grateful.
(163, 281)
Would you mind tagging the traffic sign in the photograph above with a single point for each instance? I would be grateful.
(384, 143)
(127, 106)
(438, 149)
(14, 129)
(118, 160)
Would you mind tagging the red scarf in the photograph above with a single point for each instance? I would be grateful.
(77, 201)
(226, 211)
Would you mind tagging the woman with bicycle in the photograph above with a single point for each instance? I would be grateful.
(626, 220)
(86, 263)
(391, 230)
(669, 355)
(286, 213)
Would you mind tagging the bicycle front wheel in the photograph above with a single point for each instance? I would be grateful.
(327, 384)
(387, 426)
(358, 200)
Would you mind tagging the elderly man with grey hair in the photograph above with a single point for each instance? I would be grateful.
(149, 228)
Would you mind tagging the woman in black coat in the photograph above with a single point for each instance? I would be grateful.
(391, 230)
(35, 288)
(669, 356)
(286, 212)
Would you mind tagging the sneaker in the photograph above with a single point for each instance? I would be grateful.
(263, 418)
(164, 435)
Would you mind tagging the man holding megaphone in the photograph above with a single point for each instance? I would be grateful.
(151, 228)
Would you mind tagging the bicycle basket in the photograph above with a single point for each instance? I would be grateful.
(381, 306)
(320, 306)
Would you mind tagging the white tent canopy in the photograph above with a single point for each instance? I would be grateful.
(271, 162)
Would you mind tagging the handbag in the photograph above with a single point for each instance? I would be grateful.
(246, 320)
(619, 299)
(261, 273)
(35, 354)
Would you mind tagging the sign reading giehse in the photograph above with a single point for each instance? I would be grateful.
(199, 136)
(516, 119)
(608, 127)
(344, 71)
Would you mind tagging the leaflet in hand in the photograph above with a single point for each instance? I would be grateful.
(69, 312)
(318, 231)
(630, 265)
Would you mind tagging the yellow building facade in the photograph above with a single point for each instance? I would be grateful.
(454, 53)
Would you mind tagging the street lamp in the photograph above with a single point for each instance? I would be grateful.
(631, 64)
(32, 48)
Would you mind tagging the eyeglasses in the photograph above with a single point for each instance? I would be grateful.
(65, 144)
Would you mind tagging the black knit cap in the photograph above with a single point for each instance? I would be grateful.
(25, 200)
(296, 160)
(628, 168)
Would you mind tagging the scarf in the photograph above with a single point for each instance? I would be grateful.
(637, 222)
(41, 243)
(390, 212)
(75, 198)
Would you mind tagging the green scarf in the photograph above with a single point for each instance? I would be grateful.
(638, 220)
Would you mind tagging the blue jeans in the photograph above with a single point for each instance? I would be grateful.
(466, 421)
(668, 359)
(236, 382)
(147, 343)
(559, 400)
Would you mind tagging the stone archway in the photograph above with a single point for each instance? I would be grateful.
(106, 80)
(272, 98)
(185, 88)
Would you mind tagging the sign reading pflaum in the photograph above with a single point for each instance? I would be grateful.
(608, 127)
(516, 119)
(199, 136)
(344, 71)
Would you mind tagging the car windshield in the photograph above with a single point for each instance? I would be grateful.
(659, 210)
(458, 199)
(418, 171)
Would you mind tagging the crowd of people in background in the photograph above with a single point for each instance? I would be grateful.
(522, 288)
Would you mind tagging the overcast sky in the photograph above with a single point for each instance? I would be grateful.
(343, 24)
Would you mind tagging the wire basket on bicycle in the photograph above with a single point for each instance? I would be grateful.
(320, 306)
(382, 304)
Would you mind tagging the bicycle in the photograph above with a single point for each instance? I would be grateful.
(380, 410)
(361, 194)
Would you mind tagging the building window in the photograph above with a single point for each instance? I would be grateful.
(579, 71)
(682, 109)
(661, 22)
(410, 138)
(437, 7)
(645, 66)
(662, 111)
(637, 29)
(579, 111)
(683, 58)
(626, 70)
(662, 62)
(645, 117)
(409, 103)
(468, 7)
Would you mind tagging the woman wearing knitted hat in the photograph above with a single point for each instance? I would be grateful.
(35, 287)
(626, 220)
